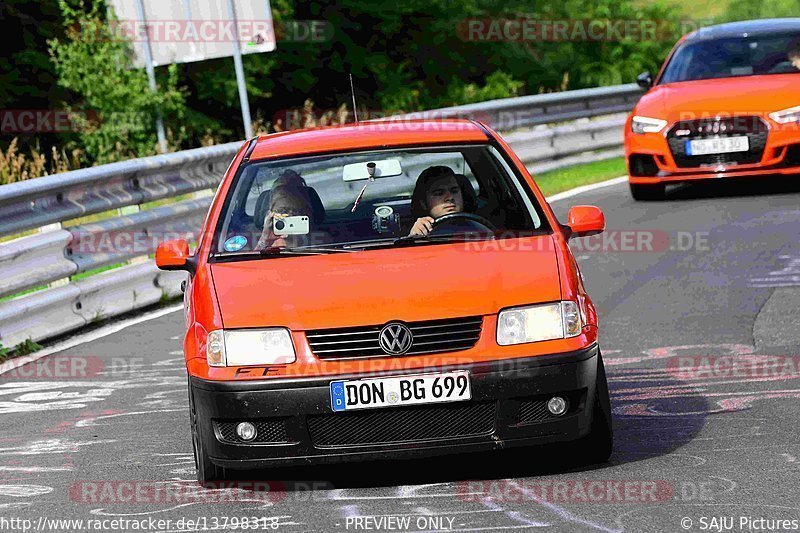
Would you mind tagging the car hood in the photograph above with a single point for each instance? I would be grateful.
(423, 282)
(758, 95)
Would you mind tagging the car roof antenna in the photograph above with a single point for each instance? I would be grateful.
(353, 93)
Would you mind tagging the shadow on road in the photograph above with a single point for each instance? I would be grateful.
(666, 426)
(733, 187)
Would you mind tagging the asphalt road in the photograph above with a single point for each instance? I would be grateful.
(685, 288)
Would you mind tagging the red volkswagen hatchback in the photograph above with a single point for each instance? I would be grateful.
(386, 290)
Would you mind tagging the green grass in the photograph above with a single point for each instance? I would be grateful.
(23, 293)
(76, 277)
(696, 10)
(726, 10)
(13, 236)
(98, 270)
(166, 201)
(557, 181)
(114, 213)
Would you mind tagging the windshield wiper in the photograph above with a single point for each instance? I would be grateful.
(275, 251)
(410, 240)
(304, 250)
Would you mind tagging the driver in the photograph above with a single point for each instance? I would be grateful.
(438, 192)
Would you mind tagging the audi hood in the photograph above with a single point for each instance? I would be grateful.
(750, 95)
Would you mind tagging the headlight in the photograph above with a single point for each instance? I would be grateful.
(242, 347)
(647, 124)
(787, 116)
(558, 320)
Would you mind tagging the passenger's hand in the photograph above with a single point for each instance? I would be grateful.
(422, 226)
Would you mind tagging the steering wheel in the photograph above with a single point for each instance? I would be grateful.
(473, 222)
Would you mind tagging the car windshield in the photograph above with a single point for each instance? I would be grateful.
(732, 57)
(358, 200)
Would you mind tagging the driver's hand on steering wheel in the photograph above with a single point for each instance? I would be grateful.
(422, 226)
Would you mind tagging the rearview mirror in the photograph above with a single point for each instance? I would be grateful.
(385, 168)
(586, 220)
(174, 255)
(645, 80)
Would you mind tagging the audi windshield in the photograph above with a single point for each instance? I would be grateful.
(731, 57)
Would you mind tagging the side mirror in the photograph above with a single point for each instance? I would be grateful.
(174, 255)
(585, 220)
(645, 80)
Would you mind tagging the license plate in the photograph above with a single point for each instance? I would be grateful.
(401, 390)
(720, 145)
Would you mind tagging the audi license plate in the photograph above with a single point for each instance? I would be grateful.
(720, 145)
(402, 390)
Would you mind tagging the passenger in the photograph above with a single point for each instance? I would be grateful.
(794, 56)
(290, 197)
(438, 192)
(791, 63)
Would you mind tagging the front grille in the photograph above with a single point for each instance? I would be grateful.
(431, 336)
(267, 431)
(754, 128)
(402, 424)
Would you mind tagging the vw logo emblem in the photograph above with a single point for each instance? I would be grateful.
(395, 338)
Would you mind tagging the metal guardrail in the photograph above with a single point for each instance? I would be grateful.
(527, 111)
(59, 310)
(560, 146)
(59, 253)
(38, 202)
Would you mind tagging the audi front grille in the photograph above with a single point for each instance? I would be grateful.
(753, 128)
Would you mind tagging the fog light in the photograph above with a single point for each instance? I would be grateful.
(246, 431)
(557, 405)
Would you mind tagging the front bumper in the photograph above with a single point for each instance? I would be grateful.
(729, 172)
(651, 159)
(505, 411)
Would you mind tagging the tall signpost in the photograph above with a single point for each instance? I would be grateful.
(151, 75)
(240, 80)
(183, 31)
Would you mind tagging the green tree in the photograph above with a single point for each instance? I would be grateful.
(115, 110)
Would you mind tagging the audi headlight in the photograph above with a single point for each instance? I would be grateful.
(787, 116)
(558, 320)
(243, 347)
(647, 124)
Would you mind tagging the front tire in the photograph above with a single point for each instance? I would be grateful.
(206, 470)
(648, 192)
(596, 447)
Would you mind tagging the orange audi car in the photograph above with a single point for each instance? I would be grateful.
(386, 290)
(725, 104)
